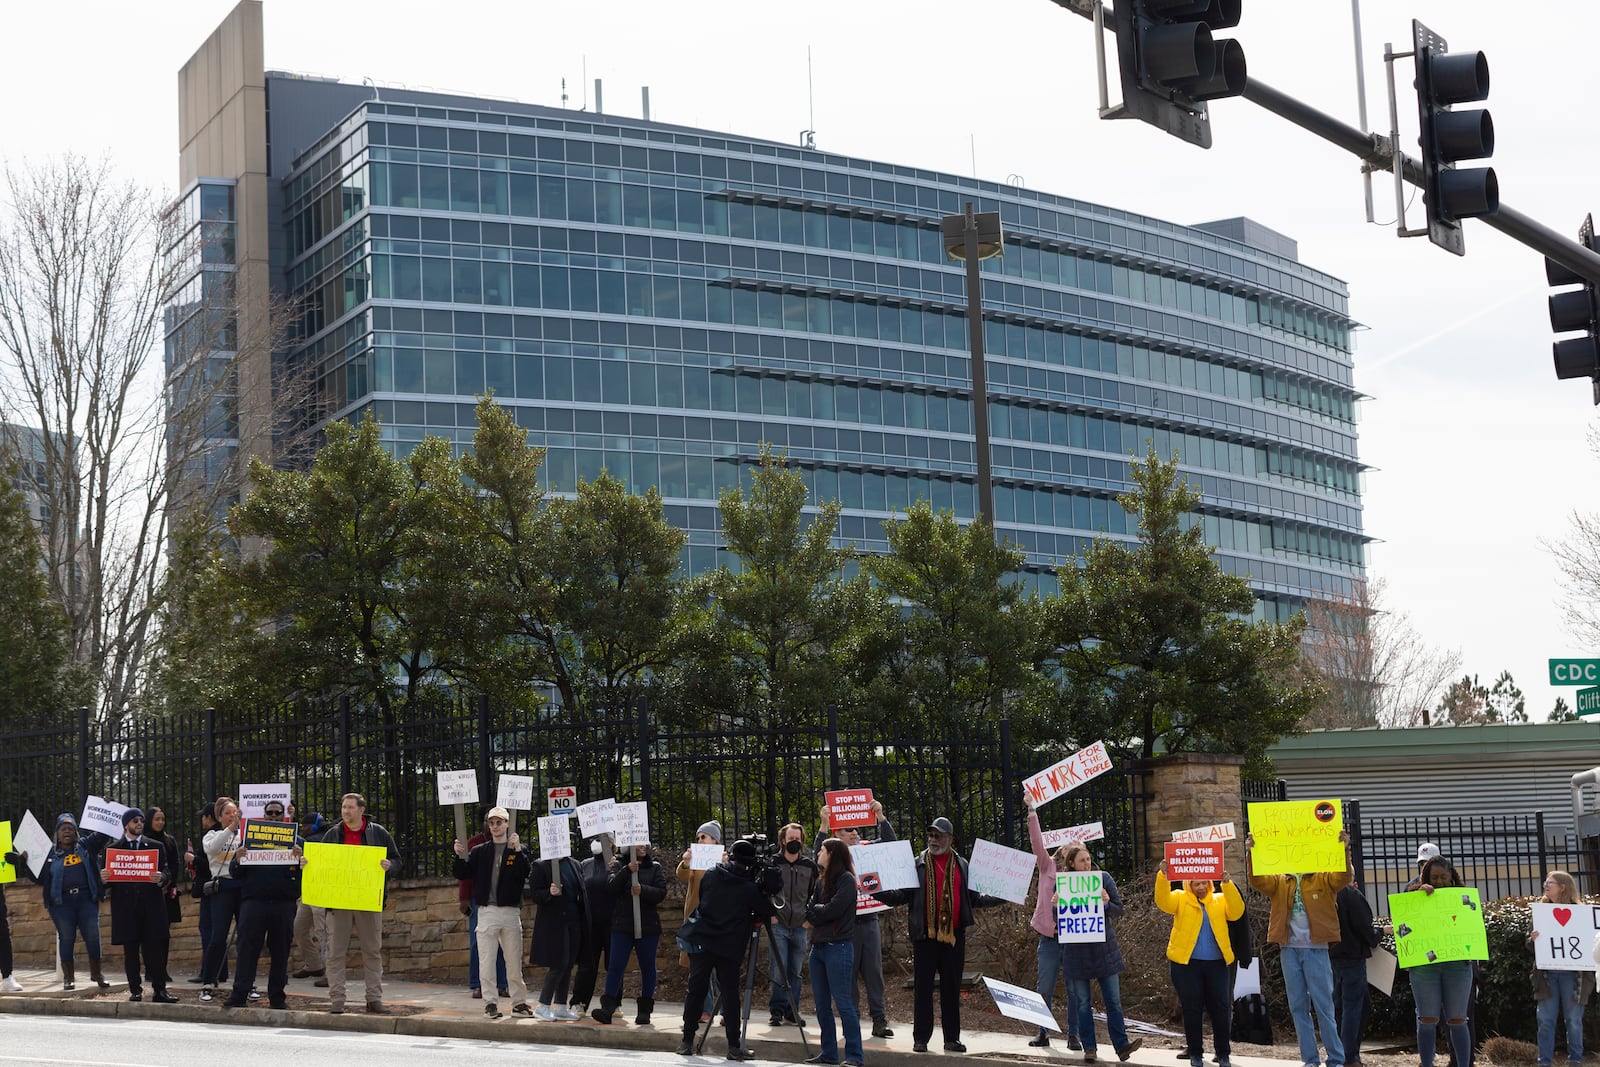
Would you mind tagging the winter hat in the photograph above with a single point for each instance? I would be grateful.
(130, 815)
(712, 829)
(68, 818)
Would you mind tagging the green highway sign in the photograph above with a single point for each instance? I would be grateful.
(1589, 701)
(1575, 672)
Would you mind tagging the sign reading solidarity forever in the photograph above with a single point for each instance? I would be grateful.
(1438, 927)
(1199, 861)
(1296, 837)
(1068, 775)
(1080, 908)
(1563, 936)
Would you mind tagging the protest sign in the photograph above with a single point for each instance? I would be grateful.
(867, 904)
(1222, 831)
(1067, 775)
(1381, 970)
(1089, 831)
(632, 824)
(555, 837)
(1438, 927)
(1000, 871)
(889, 863)
(8, 873)
(32, 839)
(102, 815)
(1194, 861)
(849, 807)
(253, 798)
(1563, 936)
(348, 877)
(1080, 908)
(458, 787)
(597, 817)
(266, 843)
(1248, 979)
(1296, 837)
(1021, 1004)
(704, 857)
(515, 792)
(131, 864)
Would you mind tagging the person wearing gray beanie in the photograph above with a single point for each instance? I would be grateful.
(712, 829)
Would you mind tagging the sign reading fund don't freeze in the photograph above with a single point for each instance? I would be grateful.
(1080, 907)
(1068, 775)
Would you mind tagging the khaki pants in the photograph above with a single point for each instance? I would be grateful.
(500, 929)
(310, 938)
(369, 931)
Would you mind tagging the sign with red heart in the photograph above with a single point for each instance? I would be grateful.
(1564, 936)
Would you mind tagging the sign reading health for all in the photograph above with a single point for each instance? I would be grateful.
(1194, 861)
(1563, 935)
(1222, 831)
(1080, 907)
(1438, 927)
(1296, 837)
(1069, 774)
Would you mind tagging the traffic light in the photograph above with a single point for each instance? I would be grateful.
(1576, 309)
(1449, 136)
(1171, 64)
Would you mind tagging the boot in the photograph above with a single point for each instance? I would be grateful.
(98, 975)
(69, 974)
(645, 1005)
(608, 1007)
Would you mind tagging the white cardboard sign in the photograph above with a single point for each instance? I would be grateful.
(1024, 1005)
(1001, 872)
(1566, 935)
(632, 824)
(514, 792)
(1222, 831)
(1089, 831)
(555, 837)
(597, 817)
(102, 815)
(1080, 911)
(890, 862)
(253, 799)
(31, 838)
(704, 857)
(458, 787)
(1069, 774)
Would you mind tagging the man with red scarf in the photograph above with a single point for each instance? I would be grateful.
(939, 911)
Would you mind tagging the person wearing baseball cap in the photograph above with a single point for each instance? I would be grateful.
(498, 869)
(1426, 853)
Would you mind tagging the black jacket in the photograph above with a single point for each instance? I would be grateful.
(652, 891)
(266, 881)
(202, 866)
(479, 866)
(916, 899)
(730, 902)
(597, 891)
(131, 900)
(547, 945)
(833, 919)
(1356, 935)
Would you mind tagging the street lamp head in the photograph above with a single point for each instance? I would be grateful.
(987, 234)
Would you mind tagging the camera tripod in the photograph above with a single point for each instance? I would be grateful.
(749, 994)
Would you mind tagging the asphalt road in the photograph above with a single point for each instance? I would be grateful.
(56, 1041)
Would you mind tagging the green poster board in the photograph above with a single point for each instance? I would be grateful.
(1439, 927)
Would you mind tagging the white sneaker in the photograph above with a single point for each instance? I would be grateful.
(9, 984)
(544, 1012)
(565, 1014)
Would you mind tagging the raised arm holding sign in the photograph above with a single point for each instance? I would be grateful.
(1067, 775)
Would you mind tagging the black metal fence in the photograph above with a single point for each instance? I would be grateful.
(751, 780)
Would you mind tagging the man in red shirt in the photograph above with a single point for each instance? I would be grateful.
(355, 828)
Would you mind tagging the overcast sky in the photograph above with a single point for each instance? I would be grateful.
(1479, 454)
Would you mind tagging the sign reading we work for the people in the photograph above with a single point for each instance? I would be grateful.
(1296, 837)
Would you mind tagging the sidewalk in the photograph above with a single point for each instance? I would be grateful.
(448, 1011)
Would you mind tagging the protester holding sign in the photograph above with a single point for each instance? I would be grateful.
(267, 895)
(636, 874)
(1044, 924)
(497, 868)
(354, 828)
(466, 893)
(139, 912)
(709, 833)
(8, 981)
(732, 896)
(1303, 923)
(1444, 987)
(558, 925)
(70, 878)
(1198, 954)
(1083, 962)
(867, 939)
(1562, 993)
(223, 892)
(596, 940)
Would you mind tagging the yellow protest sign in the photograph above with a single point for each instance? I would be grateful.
(347, 877)
(1296, 837)
(1438, 927)
(8, 873)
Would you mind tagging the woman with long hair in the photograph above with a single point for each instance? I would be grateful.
(1198, 953)
(1044, 924)
(1443, 988)
(1560, 993)
(635, 875)
(831, 913)
(157, 826)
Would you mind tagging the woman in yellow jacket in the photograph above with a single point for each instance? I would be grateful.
(1198, 954)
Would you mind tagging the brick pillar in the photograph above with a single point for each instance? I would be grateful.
(1195, 789)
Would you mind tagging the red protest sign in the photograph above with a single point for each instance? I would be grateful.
(849, 807)
(131, 864)
(1194, 861)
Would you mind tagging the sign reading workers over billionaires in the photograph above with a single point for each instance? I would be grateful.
(1068, 775)
(266, 843)
(102, 815)
(1296, 837)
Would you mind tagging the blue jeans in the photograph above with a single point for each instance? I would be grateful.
(617, 963)
(784, 960)
(1350, 998)
(831, 966)
(472, 964)
(73, 916)
(1442, 990)
(1563, 1000)
(1049, 972)
(1308, 981)
(1111, 993)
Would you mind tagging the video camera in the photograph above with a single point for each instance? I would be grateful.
(762, 868)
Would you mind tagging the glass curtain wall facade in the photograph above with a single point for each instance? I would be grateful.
(658, 302)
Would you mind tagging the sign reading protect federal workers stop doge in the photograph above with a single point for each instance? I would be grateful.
(347, 877)
(1296, 837)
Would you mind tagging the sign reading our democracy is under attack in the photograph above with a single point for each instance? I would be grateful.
(267, 843)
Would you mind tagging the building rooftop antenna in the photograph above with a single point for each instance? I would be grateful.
(563, 92)
(808, 136)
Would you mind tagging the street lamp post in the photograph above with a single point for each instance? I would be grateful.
(974, 237)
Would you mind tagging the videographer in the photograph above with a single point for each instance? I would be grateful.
(733, 895)
(788, 945)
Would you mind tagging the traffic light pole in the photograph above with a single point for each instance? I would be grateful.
(1377, 153)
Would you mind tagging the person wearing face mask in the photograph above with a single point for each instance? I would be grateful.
(497, 868)
(139, 913)
(787, 949)
(1198, 954)
(938, 912)
(635, 874)
(1304, 922)
(596, 874)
